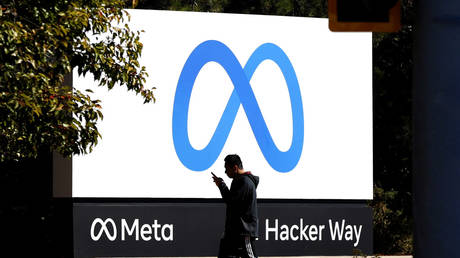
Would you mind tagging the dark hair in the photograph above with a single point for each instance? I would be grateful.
(232, 160)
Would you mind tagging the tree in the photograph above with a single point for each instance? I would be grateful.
(392, 82)
(40, 43)
(23, 60)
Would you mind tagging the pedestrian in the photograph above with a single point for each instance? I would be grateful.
(241, 219)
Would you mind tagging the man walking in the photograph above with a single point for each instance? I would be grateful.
(241, 219)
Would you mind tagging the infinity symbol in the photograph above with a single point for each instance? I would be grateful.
(103, 229)
(216, 51)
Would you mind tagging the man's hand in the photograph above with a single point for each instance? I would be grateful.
(217, 180)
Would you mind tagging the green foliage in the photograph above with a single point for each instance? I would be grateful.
(392, 223)
(308, 8)
(392, 83)
(40, 43)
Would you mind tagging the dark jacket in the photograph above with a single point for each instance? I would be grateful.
(241, 200)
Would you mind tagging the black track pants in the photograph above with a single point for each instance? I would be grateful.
(238, 246)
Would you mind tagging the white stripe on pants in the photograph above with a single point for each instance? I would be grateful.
(247, 241)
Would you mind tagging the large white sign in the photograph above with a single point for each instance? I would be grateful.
(293, 99)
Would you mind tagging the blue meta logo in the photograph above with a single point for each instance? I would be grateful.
(215, 51)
